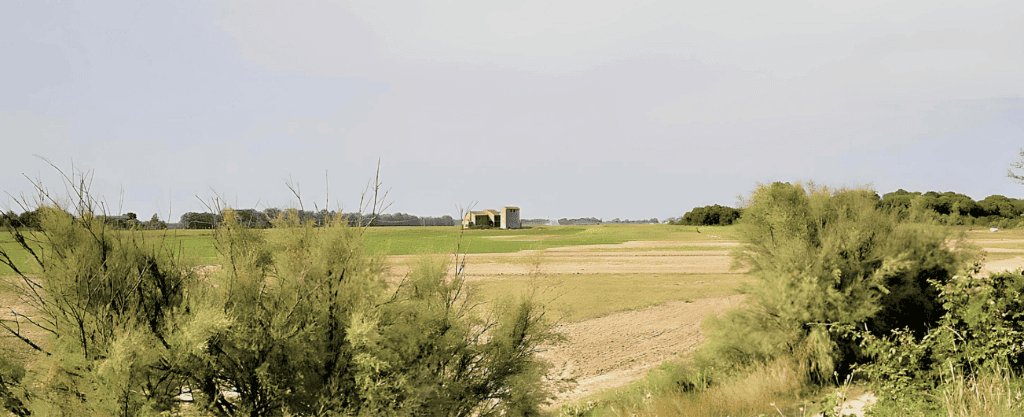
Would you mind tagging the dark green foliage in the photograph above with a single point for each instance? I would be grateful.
(981, 332)
(29, 219)
(715, 215)
(826, 257)
(9, 219)
(192, 220)
(154, 223)
(953, 208)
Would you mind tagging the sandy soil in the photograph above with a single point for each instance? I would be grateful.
(1002, 265)
(613, 350)
(608, 259)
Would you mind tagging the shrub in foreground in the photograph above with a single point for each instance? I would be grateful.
(303, 324)
(977, 346)
(825, 257)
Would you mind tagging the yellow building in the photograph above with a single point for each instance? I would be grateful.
(507, 218)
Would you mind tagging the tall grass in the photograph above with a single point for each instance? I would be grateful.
(676, 390)
(998, 393)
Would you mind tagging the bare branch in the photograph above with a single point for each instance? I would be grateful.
(17, 333)
(1017, 165)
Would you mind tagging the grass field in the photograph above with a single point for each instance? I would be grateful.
(440, 240)
(197, 243)
(578, 297)
(437, 240)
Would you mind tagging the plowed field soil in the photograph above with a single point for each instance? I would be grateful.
(612, 350)
(615, 349)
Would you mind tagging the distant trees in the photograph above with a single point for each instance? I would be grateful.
(29, 219)
(653, 220)
(953, 208)
(582, 221)
(154, 223)
(9, 219)
(715, 215)
(191, 220)
(255, 219)
(403, 219)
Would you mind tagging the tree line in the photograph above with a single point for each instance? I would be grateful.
(954, 209)
(251, 218)
(255, 219)
(31, 219)
(948, 208)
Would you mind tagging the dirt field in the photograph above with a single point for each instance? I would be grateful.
(625, 258)
(615, 349)
(612, 350)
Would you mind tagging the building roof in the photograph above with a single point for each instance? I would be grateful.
(511, 208)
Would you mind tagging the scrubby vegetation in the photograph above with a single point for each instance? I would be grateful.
(825, 257)
(967, 363)
(296, 323)
(846, 292)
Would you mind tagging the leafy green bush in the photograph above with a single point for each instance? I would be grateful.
(112, 306)
(825, 257)
(981, 334)
(303, 324)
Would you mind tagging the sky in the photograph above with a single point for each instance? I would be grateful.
(627, 109)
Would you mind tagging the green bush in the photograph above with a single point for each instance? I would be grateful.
(304, 324)
(826, 257)
(112, 306)
(981, 335)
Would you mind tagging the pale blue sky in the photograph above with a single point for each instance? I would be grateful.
(631, 109)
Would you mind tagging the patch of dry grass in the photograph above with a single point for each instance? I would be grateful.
(575, 297)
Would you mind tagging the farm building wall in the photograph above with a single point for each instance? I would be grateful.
(510, 218)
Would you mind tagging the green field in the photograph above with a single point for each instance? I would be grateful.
(197, 243)
(438, 240)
